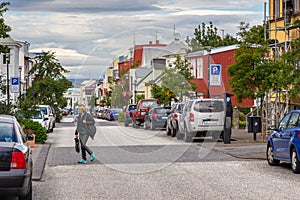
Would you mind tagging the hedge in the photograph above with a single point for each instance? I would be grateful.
(39, 131)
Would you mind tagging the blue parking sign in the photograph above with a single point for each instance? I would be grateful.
(215, 69)
(215, 75)
(15, 81)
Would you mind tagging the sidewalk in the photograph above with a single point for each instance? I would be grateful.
(243, 146)
(39, 157)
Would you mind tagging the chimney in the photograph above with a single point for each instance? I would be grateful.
(157, 41)
(150, 42)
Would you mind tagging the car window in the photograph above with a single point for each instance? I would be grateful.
(283, 123)
(132, 107)
(37, 116)
(161, 111)
(44, 109)
(209, 106)
(293, 122)
(149, 103)
(7, 133)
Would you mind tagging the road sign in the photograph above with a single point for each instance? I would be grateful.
(215, 75)
(15, 85)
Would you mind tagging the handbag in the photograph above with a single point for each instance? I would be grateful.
(77, 149)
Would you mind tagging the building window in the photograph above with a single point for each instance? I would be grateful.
(276, 8)
(296, 5)
(200, 68)
(193, 67)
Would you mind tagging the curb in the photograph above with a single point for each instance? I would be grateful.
(40, 162)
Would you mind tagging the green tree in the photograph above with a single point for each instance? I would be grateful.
(4, 28)
(207, 36)
(47, 65)
(253, 74)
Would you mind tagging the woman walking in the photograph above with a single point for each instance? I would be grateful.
(84, 119)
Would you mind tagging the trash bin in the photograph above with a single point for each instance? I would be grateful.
(254, 124)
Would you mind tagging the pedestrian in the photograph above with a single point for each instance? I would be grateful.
(83, 120)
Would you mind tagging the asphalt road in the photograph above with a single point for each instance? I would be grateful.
(137, 164)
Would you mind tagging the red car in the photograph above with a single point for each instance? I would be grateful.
(143, 107)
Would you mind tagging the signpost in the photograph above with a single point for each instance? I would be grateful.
(215, 75)
(15, 85)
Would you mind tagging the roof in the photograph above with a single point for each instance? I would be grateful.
(10, 41)
(7, 118)
(214, 50)
(142, 72)
(88, 83)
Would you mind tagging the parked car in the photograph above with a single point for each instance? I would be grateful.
(47, 110)
(173, 117)
(113, 114)
(143, 107)
(40, 118)
(157, 118)
(65, 112)
(202, 117)
(15, 157)
(284, 142)
(128, 114)
(99, 112)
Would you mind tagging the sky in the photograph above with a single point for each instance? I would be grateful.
(87, 35)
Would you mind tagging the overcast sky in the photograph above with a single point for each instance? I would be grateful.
(87, 34)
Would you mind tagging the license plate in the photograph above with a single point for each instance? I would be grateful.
(164, 117)
(210, 123)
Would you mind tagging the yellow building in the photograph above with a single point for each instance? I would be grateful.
(282, 15)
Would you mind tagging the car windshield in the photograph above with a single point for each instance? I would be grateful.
(7, 132)
(44, 109)
(37, 116)
(149, 103)
(209, 106)
(161, 110)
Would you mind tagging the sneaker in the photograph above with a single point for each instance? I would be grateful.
(82, 161)
(93, 157)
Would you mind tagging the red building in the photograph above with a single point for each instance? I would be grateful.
(215, 84)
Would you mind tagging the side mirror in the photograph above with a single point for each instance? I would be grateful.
(29, 137)
(46, 119)
(168, 113)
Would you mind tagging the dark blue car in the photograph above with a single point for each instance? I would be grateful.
(157, 118)
(284, 142)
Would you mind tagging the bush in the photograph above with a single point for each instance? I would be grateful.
(39, 131)
(58, 117)
(242, 124)
(121, 117)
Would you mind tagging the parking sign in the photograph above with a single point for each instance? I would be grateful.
(215, 75)
(15, 85)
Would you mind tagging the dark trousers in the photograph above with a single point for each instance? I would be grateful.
(84, 148)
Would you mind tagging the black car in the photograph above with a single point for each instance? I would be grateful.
(128, 114)
(157, 118)
(15, 160)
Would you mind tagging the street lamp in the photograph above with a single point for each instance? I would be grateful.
(7, 59)
(20, 85)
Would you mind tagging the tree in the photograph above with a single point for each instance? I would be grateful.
(4, 28)
(175, 82)
(47, 65)
(207, 36)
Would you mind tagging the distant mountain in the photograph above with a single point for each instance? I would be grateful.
(76, 82)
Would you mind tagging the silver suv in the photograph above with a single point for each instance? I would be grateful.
(202, 117)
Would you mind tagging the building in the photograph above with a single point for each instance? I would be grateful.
(18, 64)
(87, 92)
(210, 71)
(73, 96)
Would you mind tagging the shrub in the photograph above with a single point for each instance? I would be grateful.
(242, 124)
(39, 131)
(121, 117)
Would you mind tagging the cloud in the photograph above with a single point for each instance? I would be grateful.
(88, 34)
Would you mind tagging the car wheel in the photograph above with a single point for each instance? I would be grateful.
(173, 132)
(187, 135)
(295, 161)
(53, 125)
(179, 135)
(152, 127)
(133, 124)
(29, 194)
(168, 131)
(270, 156)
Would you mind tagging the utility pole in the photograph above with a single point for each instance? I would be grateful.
(7, 58)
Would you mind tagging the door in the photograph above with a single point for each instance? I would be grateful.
(277, 136)
(287, 134)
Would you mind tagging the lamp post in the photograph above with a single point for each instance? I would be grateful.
(7, 59)
(20, 84)
(208, 80)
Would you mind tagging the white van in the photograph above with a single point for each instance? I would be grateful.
(203, 117)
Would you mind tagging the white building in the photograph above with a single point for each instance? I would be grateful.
(15, 64)
(87, 92)
(73, 96)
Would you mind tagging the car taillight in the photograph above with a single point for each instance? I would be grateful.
(54, 115)
(127, 113)
(192, 117)
(18, 161)
(154, 116)
(175, 116)
(298, 134)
